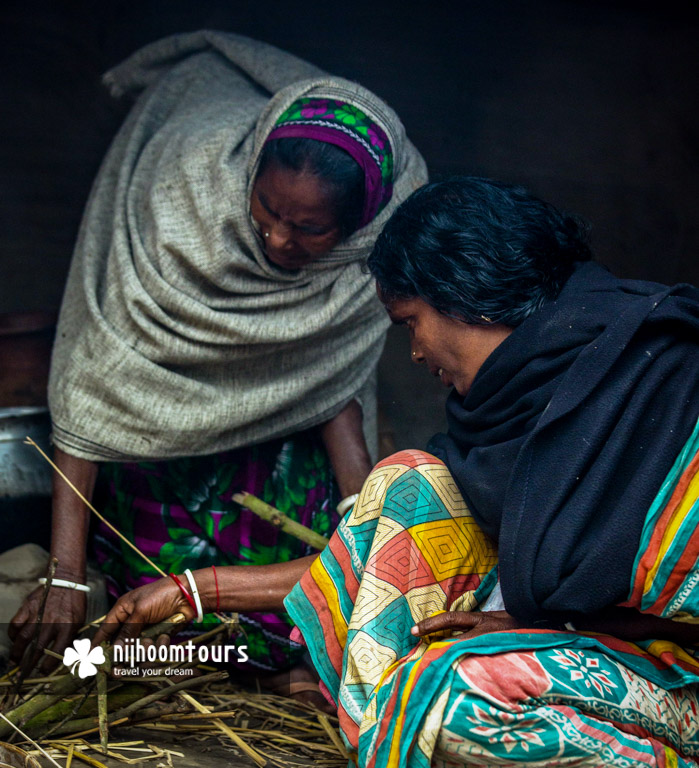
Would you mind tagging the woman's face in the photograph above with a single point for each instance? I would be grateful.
(295, 216)
(451, 349)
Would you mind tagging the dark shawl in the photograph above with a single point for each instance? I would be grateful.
(568, 432)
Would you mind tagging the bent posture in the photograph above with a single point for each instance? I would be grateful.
(218, 333)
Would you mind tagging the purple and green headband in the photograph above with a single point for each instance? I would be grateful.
(347, 127)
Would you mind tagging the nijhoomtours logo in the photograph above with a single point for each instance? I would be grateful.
(127, 657)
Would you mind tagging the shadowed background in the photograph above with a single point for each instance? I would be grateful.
(592, 106)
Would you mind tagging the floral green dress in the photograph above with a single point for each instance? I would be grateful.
(180, 513)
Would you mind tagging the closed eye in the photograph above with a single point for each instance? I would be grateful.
(305, 229)
(312, 230)
(399, 320)
(265, 205)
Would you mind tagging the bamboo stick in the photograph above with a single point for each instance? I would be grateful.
(28, 681)
(90, 728)
(38, 703)
(67, 684)
(102, 709)
(159, 694)
(87, 725)
(76, 706)
(280, 520)
(333, 734)
(77, 754)
(29, 655)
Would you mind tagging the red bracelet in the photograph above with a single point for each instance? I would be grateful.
(183, 590)
(218, 604)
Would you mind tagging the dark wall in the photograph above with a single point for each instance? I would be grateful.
(591, 105)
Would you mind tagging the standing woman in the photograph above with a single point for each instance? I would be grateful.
(217, 333)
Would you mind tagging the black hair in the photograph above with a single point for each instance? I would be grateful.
(478, 250)
(335, 167)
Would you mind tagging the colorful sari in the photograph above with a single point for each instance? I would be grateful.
(410, 548)
(180, 513)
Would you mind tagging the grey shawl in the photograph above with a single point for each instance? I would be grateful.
(176, 336)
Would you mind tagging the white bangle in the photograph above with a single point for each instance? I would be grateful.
(346, 504)
(67, 584)
(195, 594)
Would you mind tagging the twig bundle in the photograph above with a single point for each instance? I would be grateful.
(59, 711)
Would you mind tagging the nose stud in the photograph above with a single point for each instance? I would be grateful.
(414, 354)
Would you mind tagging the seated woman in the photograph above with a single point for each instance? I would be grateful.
(524, 593)
(218, 333)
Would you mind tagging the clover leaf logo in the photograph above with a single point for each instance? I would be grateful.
(83, 658)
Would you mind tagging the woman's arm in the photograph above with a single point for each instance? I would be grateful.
(624, 623)
(245, 588)
(344, 441)
(630, 624)
(64, 611)
(240, 588)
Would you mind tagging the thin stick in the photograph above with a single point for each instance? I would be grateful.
(102, 710)
(332, 733)
(67, 684)
(86, 725)
(88, 731)
(127, 712)
(280, 520)
(9, 674)
(74, 710)
(29, 662)
(28, 681)
(50, 573)
(161, 693)
(77, 754)
(156, 568)
(31, 741)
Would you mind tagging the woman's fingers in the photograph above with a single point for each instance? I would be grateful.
(444, 621)
(17, 622)
(63, 613)
(149, 604)
(61, 640)
(21, 628)
(473, 623)
(118, 615)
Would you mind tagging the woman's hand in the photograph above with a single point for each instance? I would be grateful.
(468, 624)
(65, 609)
(630, 624)
(64, 614)
(238, 588)
(149, 604)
